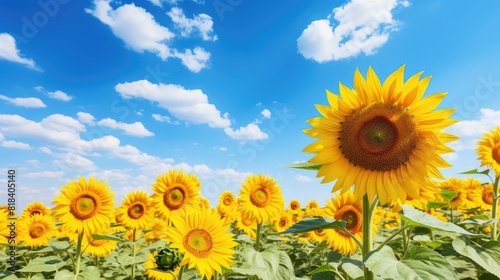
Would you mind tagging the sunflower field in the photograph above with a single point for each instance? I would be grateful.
(392, 214)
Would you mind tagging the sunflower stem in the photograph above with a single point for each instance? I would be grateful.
(132, 273)
(388, 239)
(78, 253)
(494, 210)
(367, 234)
(257, 240)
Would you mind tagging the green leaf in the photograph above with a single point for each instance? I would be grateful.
(304, 165)
(324, 268)
(353, 268)
(125, 259)
(268, 259)
(285, 268)
(419, 263)
(488, 276)
(43, 264)
(109, 237)
(436, 204)
(247, 269)
(416, 218)
(310, 224)
(487, 256)
(476, 171)
(448, 194)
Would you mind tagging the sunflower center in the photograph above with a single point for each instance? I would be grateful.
(283, 223)
(198, 242)
(35, 212)
(294, 206)
(260, 197)
(84, 207)
(320, 232)
(378, 137)
(227, 201)
(136, 210)
(496, 153)
(118, 219)
(488, 197)
(351, 216)
(37, 230)
(174, 199)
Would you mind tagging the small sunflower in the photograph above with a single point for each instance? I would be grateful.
(427, 193)
(344, 207)
(460, 201)
(175, 193)
(383, 138)
(35, 208)
(294, 206)
(85, 205)
(36, 230)
(154, 272)
(97, 248)
(204, 203)
(261, 198)
(488, 150)
(438, 214)
(246, 224)
(483, 196)
(318, 235)
(137, 210)
(204, 240)
(312, 208)
(284, 222)
(158, 227)
(227, 203)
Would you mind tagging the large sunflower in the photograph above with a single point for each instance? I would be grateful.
(488, 150)
(36, 230)
(344, 207)
(175, 193)
(137, 210)
(382, 138)
(261, 198)
(85, 205)
(204, 240)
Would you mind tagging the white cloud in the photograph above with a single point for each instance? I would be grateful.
(44, 174)
(60, 95)
(10, 52)
(363, 26)
(266, 113)
(161, 118)
(201, 24)
(303, 179)
(134, 129)
(220, 148)
(86, 118)
(16, 145)
(1, 137)
(249, 132)
(470, 131)
(112, 175)
(141, 32)
(193, 60)
(27, 102)
(186, 105)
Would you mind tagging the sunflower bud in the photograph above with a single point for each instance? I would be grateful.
(168, 259)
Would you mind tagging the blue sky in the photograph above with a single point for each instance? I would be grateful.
(126, 90)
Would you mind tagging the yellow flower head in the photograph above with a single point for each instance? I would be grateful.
(227, 203)
(85, 205)
(383, 138)
(261, 198)
(136, 211)
(294, 206)
(488, 150)
(36, 230)
(175, 193)
(204, 240)
(35, 208)
(246, 224)
(97, 248)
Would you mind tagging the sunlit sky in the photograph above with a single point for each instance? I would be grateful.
(127, 90)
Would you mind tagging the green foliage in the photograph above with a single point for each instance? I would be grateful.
(486, 256)
(311, 224)
(305, 165)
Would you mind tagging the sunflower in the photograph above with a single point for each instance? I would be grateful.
(157, 227)
(440, 215)
(261, 198)
(204, 203)
(153, 272)
(85, 205)
(136, 210)
(97, 248)
(284, 222)
(4, 229)
(294, 206)
(246, 224)
(427, 193)
(36, 230)
(460, 201)
(382, 138)
(204, 240)
(483, 196)
(227, 203)
(35, 208)
(318, 235)
(488, 150)
(175, 193)
(312, 208)
(344, 207)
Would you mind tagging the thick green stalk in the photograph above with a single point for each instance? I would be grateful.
(367, 234)
(494, 210)
(78, 253)
(257, 240)
(132, 273)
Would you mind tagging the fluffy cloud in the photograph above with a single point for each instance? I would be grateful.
(44, 174)
(86, 118)
(186, 105)
(249, 132)
(363, 26)
(266, 113)
(27, 102)
(303, 179)
(16, 145)
(161, 118)
(10, 52)
(141, 32)
(60, 95)
(201, 24)
(134, 129)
